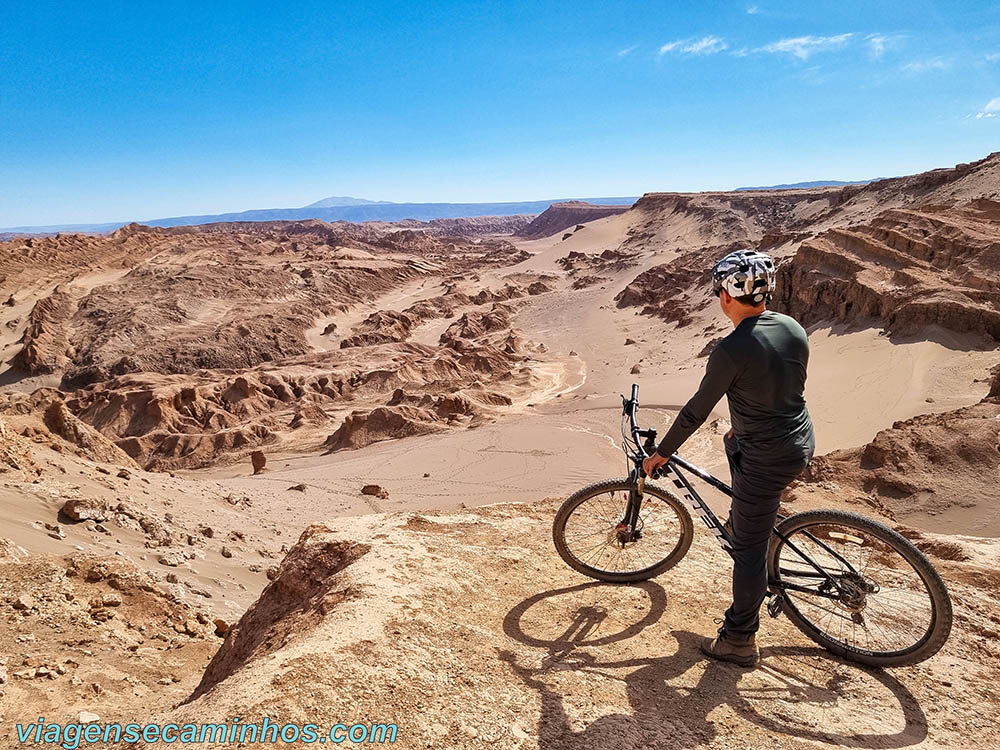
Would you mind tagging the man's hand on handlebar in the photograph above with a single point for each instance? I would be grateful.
(651, 463)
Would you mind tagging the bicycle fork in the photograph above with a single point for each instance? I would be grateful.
(628, 528)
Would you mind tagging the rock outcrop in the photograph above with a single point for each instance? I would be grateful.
(408, 415)
(46, 338)
(92, 444)
(465, 630)
(215, 297)
(676, 290)
(307, 589)
(93, 634)
(906, 270)
(934, 468)
(387, 326)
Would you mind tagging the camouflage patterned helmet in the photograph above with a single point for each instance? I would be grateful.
(747, 275)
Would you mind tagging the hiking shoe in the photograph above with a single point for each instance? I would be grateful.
(733, 647)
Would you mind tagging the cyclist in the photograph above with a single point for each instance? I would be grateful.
(761, 368)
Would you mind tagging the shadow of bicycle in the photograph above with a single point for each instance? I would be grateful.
(798, 691)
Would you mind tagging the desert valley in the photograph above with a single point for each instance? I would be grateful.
(308, 470)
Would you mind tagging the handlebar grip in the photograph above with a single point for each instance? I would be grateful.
(635, 391)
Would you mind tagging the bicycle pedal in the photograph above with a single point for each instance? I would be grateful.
(775, 605)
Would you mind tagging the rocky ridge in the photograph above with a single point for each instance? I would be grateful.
(560, 216)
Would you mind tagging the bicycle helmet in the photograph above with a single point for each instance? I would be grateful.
(748, 275)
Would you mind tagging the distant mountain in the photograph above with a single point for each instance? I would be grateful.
(357, 210)
(335, 201)
(812, 184)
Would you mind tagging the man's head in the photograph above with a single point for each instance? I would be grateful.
(743, 281)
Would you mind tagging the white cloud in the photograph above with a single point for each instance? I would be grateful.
(993, 57)
(990, 110)
(926, 66)
(804, 46)
(753, 10)
(627, 50)
(707, 45)
(879, 44)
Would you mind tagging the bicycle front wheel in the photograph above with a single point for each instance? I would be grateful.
(589, 537)
(859, 589)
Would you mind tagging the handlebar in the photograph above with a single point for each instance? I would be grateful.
(630, 407)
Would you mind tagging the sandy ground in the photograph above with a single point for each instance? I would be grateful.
(481, 637)
(569, 436)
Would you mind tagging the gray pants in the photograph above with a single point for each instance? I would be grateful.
(757, 488)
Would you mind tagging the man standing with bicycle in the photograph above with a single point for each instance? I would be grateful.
(761, 368)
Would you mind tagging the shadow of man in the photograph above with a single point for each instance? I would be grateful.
(668, 708)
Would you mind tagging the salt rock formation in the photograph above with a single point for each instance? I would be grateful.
(769, 217)
(308, 414)
(258, 460)
(180, 420)
(907, 269)
(687, 220)
(387, 326)
(476, 325)
(567, 214)
(85, 509)
(15, 452)
(584, 282)
(383, 423)
(226, 296)
(477, 226)
(46, 339)
(407, 415)
(674, 291)
(24, 260)
(93, 445)
(381, 327)
(307, 588)
(607, 260)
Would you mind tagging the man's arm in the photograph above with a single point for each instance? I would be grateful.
(720, 372)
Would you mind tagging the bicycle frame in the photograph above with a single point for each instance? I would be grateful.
(643, 448)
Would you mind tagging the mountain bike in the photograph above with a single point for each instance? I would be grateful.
(851, 584)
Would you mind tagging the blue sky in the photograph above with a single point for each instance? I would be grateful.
(132, 110)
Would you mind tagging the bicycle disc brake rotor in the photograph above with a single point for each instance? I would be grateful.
(854, 591)
(619, 536)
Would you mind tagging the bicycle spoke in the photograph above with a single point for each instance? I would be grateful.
(592, 536)
(882, 608)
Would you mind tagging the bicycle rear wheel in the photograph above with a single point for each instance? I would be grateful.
(878, 600)
(588, 535)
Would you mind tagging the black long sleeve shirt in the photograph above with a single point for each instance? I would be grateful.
(761, 368)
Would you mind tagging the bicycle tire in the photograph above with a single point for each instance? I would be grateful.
(941, 609)
(615, 485)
